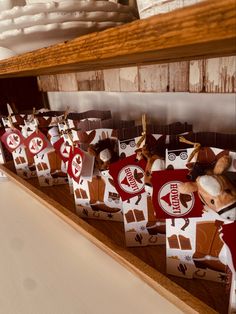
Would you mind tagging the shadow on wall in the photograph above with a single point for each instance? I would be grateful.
(21, 93)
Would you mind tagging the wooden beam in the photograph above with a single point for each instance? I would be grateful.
(206, 29)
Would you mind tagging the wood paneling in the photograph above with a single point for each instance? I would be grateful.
(67, 82)
(205, 29)
(121, 80)
(90, 81)
(206, 75)
(221, 75)
(179, 76)
(129, 79)
(197, 76)
(48, 83)
(153, 78)
(112, 80)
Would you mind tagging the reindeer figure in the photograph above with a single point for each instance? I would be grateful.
(215, 190)
(152, 154)
(104, 152)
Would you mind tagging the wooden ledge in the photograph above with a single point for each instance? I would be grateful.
(206, 29)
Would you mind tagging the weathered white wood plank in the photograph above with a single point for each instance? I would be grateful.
(129, 79)
(179, 76)
(90, 81)
(196, 76)
(67, 82)
(215, 75)
(112, 80)
(47, 83)
(153, 78)
(221, 75)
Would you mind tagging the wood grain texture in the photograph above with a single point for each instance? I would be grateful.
(90, 81)
(112, 80)
(153, 78)
(221, 75)
(204, 29)
(148, 263)
(179, 76)
(129, 79)
(48, 83)
(67, 82)
(197, 76)
(121, 79)
(206, 75)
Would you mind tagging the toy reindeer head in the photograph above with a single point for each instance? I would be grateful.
(151, 154)
(215, 190)
(104, 152)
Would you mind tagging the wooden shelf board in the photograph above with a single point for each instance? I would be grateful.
(148, 263)
(206, 29)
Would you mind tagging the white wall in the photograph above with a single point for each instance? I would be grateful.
(207, 112)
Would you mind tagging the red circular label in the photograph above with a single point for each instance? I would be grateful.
(131, 179)
(13, 140)
(173, 202)
(35, 145)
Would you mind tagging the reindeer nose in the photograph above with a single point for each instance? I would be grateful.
(105, 155)
(158, 164)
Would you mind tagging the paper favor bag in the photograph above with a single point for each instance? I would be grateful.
(23, 161)
(194, 248)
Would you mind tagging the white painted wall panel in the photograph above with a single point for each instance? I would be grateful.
(207, 112)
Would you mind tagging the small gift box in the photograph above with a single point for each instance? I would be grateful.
(142, 226)
(98, 197)
(13, 139)
(43, 134)
(194, 246)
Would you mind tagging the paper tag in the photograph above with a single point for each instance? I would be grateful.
(36, 142)
(168, 201)
(62, 150)
(128, 176)
(65, 132)
(80, 164)
(31, 125)
(12, 139)
(53, 134)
